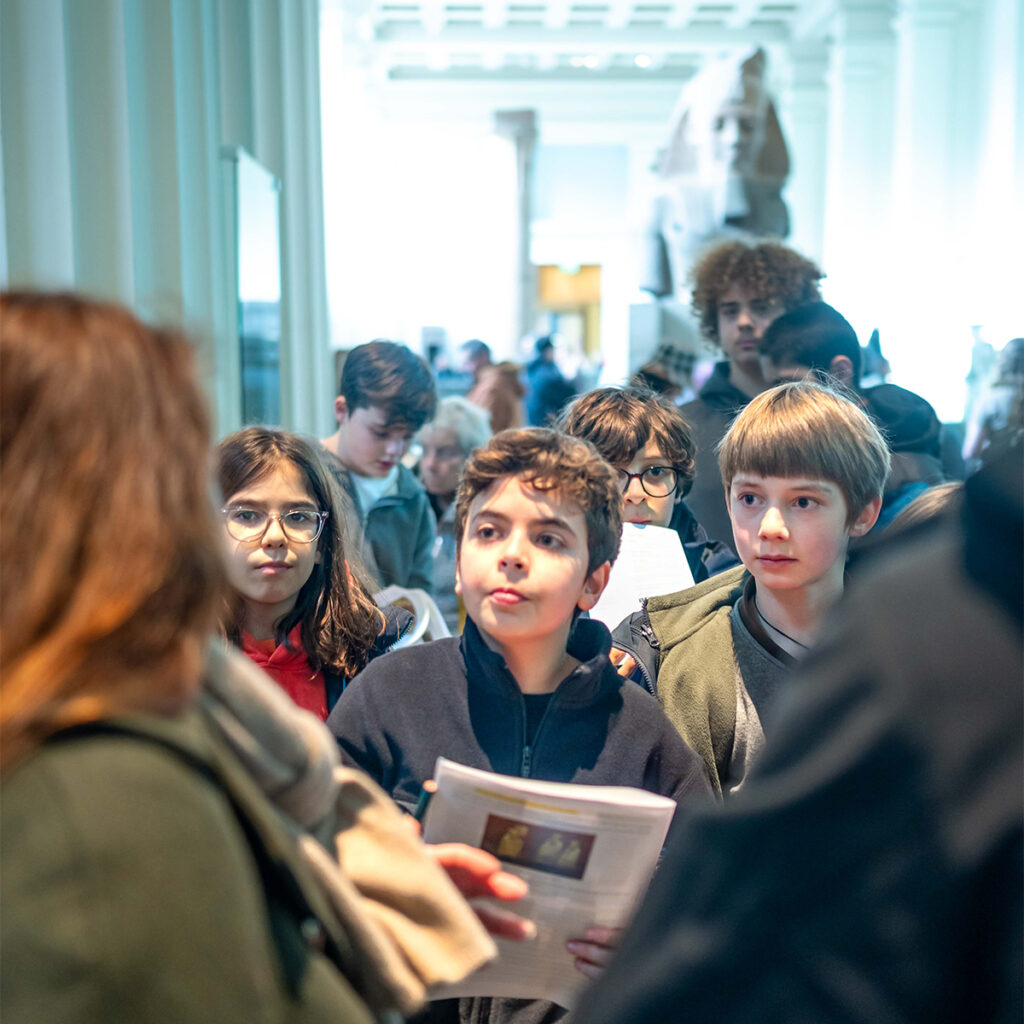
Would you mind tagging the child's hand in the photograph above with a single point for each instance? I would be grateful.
(594, 951)
(476, 873)
(624, 663)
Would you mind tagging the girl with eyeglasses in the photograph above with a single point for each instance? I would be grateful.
(299, 611)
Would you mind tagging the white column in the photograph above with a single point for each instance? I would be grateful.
(995, 212)
(520, 128)
(805, 104)
(39, 241)
(98, 138)
(936, 150)
(860, 153)
(308, 387)
(112, 116)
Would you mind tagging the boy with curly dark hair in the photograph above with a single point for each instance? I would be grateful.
(739, 288)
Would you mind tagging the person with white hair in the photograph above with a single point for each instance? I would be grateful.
(446, 442)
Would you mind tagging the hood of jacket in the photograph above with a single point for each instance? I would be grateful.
(719, 393)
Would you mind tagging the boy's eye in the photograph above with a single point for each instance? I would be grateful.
(747, 499)
(299, 517)
(486, 532)
(247, 516)
(805, 502)
(549, 540)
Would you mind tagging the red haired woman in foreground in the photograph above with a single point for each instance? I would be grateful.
(147, 874)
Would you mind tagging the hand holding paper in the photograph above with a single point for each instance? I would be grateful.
(587, 852)
(476, 873)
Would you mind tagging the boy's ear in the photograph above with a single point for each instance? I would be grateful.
(340, 409)
(867, 518)
(841, 368)
(593, 586)
(458, 579)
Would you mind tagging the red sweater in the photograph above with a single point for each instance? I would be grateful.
(291, 670)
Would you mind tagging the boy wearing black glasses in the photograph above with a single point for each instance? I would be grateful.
(650, 446)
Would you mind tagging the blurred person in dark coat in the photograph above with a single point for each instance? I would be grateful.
(870, 870)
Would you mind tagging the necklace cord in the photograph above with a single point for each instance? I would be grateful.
(791, 639)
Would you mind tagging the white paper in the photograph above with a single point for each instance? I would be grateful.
(587, 852)
(651, 561)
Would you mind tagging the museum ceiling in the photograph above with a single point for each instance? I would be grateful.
(570, 39)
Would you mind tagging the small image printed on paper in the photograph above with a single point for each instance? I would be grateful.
(553, 850)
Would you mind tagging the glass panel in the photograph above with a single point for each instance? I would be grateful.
(259, 291)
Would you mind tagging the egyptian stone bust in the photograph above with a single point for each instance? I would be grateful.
(720, 173)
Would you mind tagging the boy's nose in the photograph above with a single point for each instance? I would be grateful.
(395, 447)
(773, 524)
(512, 556)
(634, 492)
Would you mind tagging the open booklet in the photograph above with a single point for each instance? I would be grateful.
(587, 852)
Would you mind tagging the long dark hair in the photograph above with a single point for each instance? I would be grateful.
(338, 619)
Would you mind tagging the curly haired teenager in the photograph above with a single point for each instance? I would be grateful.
(738, 290)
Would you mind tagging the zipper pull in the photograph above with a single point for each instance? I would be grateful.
(646, 629)
(648, 635)
(527, 758)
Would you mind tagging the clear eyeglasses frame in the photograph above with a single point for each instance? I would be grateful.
(656, 481)
(299, 525)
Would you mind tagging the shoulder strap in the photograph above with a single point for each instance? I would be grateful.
(290, 916)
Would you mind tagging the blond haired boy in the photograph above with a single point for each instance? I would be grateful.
(804, 469)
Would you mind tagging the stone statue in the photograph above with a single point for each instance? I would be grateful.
(720, 173)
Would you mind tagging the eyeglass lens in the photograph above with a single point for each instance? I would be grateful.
(299, 525)
(656, 481)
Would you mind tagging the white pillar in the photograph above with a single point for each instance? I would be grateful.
(98, 138)
(308, 386)
(860, 154)
(936, 150)
(995, 213)
(520, 128)
(112, 117)
(39, 242)
(805, 103)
